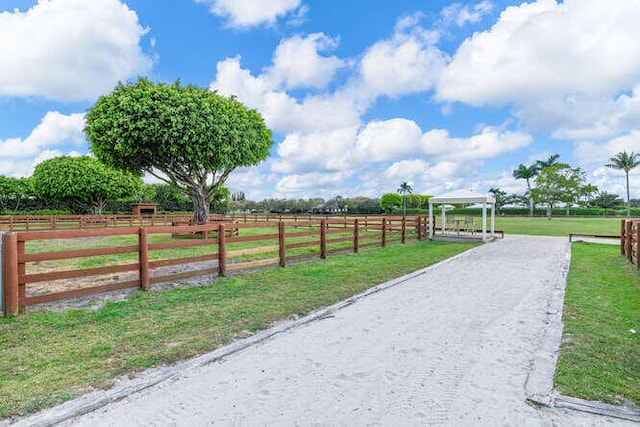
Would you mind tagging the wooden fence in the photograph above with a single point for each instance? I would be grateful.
(630, 240)
(110, 258)
(61, 222)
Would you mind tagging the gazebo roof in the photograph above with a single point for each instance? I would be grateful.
(462, 196)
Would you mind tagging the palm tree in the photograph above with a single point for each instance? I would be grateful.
(527, 173)
(625, 161)
(404, 189)
(551, 161)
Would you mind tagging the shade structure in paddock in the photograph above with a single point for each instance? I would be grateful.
(462, 197)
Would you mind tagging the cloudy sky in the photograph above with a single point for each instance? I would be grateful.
(360, 95)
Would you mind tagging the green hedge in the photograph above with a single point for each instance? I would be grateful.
(556, 211)
(525, 211)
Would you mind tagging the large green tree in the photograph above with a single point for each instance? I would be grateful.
(625, 162)
(13, 191)
(527, 173)
(606, 200)
(389, 201)
(84, 181)
(558, 183)
(184, 135)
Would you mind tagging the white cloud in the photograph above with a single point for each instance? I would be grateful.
(579, 118)
(546, 49)
(69, 50)
(387, 140)
(319, 151)
(324, 138)
(405, 170)
(597, 154)
(248, 13)
(54, 130)
(316, 184)
(283, 113)
(463, 14)
(490, 143)
(297, 64)
(434, 159)
(408, 62)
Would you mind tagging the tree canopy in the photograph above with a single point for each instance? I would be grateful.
(389, 201)
(558, 183)
(184, 135)
(527, 173)
(84, 181)
(625, 162)
(13, 191)
(404, 189)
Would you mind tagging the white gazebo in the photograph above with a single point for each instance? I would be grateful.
(464, 196)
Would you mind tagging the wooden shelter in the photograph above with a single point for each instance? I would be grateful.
(144, 209)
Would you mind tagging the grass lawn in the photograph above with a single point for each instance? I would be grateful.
(557, 226)
(49, 357)
(600, 356)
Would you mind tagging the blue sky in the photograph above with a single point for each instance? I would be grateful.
(360, 95)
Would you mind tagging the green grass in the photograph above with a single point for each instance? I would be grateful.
(600, 357)
(557, 226)
(55, 245)
(48, 357)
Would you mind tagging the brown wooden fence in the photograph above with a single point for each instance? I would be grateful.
(128, 257)
(629, 240)
(60, 222)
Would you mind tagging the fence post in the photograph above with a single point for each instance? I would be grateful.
(384, 231)
(222, 251)
(356, 236)
(622, 236)
(281, 243)
(22, 286)
(637, 244)
(404, 229)
(419, 227)
(143, 258)
(629, 235)
(323, 238)
(10, 296)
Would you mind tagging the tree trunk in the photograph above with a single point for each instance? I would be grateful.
(549, 211)
(200, 207)
(530, 198)
(628, 199)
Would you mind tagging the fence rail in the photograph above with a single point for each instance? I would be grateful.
(94, 260)
(630, 240)
(61, 222)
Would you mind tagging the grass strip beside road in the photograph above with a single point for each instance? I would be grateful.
(600, 354)
(47, 358)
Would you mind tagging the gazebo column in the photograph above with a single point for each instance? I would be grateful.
(444, 218)
(493, 219)
(484, 222)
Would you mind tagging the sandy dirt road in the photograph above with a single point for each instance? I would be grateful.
(452, 346)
